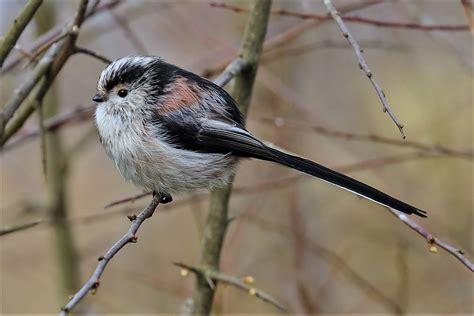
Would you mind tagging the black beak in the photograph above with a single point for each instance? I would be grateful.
(98, 98)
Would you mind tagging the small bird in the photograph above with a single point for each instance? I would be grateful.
(169, 130)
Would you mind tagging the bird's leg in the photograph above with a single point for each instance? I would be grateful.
(165, 198)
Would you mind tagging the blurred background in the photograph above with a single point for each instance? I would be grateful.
(314, 247)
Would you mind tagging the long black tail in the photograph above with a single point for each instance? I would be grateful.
(338, 179)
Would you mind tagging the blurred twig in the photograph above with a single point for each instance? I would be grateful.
(56, 31)
(437, 149)
(467, 6)
(62, 50)
(354, 19)
(129, 34)
(362, 63)
(130, 237)
(20, 227)
(22, 92)
(17, 27)
(330, 256)
(78, 114)
(293, 52)
(212, 275)
(86, 51)
(286, 36)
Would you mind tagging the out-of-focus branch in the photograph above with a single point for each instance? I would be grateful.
(56, 31)
(436, 149)
(288, 35)
(432, 240)
(467, 6)
(56, 168)
(362, 63)
(22, 92)
(216, 223)
(331, 257)
(130, 237)
(17, 228)
(78, 114)
(294, 52)
(230, 72)
(18, 26)
(89, 52)
(65, 49)
(354, 19)
(212, 275)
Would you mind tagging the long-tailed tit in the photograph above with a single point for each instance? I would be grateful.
(169, 130)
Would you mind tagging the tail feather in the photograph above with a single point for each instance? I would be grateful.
(338, 179)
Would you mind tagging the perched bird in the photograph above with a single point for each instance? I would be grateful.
(169, 130)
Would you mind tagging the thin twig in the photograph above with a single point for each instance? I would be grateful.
(94, 10)
(362, 63)
(296, 51)
(432, 240)
(89, 52)
(130, 237)
(331, 257)
(20, 227)
(230, 72)
(437, 149)
(236, 282)
(287, 36)
(65, 49)
(78, 114)
(18, 26)
(354, 19)
(47, 45)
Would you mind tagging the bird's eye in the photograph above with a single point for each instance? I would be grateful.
(122, 93)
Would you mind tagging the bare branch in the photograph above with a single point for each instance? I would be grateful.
(86, 51)
(362, 64)
(432, 240)
(78, 114)
(56, 31)
(436, 149)
(18, 26)
(230, 72)
(236, 282)
(20, 227)
(288, 35)
(130, 237)
(22, 92)
(331, 257)
(66, 49)
(353, 19)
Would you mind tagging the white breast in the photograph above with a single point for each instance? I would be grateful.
(149, 161)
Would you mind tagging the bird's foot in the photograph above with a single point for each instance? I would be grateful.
(165, 198)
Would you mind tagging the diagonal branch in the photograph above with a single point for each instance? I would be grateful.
(432, 240)
(362, 64)
(212, 275)
(37, 92)
(18, 26)
(130, 237)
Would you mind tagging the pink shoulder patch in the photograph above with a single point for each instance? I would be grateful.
(183, 93)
